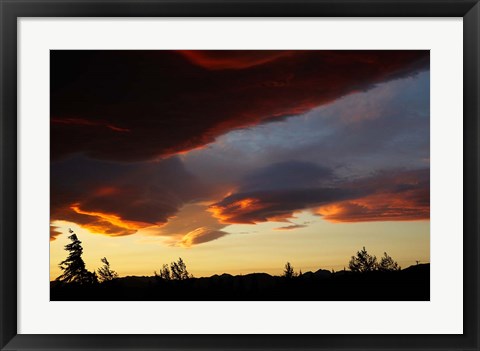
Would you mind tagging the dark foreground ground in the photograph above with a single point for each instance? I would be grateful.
(410, 284)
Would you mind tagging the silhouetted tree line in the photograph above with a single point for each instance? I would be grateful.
(363, 262)
(74, 270)
(364, 279)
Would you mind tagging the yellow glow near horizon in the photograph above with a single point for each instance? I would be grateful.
(252, 247)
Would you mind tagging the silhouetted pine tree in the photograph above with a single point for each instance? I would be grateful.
(288, 271)
(164, 273)
(363, 262)
(105, 274)
(179, 270)
(388, 264)
(73, 267)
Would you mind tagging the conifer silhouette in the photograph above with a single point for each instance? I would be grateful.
(288, 271)
(179, 270)
(363, 262)
(388, 264)
(105, 274)
(73, 266)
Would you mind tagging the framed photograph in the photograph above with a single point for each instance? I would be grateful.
(261, 175)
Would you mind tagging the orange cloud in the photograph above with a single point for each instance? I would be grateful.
(119, 199)
(201, 235)
(385, 196)
(379, 207)
(111, 224)
(230, 212)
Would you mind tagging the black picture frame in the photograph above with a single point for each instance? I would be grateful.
(11, 10)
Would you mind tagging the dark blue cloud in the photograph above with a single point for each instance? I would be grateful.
(286, 175)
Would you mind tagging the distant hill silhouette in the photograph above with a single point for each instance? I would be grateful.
(412, 283)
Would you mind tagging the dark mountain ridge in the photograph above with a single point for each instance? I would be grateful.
(412, 283)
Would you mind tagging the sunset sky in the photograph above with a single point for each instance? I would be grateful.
(239, 161)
